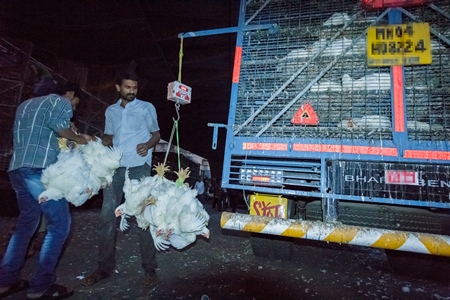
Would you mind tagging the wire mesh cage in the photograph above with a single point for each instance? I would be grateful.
(318, 56)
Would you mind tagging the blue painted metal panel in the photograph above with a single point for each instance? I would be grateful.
(235, 147)
(233, 96)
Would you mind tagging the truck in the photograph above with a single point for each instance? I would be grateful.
(339, 124)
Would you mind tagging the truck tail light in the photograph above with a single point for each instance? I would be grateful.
(260, 176)
(376, 4)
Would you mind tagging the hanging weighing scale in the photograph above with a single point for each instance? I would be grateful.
(180, 94)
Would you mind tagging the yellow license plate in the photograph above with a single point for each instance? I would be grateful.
(399, 45)
(269, 206)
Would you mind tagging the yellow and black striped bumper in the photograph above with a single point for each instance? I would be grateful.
(340, 233)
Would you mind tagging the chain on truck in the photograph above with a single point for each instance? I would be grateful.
(339, 124)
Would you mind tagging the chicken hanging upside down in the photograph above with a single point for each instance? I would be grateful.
(169, 210)
(71, 178)
(79, 172)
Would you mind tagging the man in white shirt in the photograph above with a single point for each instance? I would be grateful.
(132, 127)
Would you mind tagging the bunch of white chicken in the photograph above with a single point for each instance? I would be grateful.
(80, 172)
(370, 122)
(169, 210)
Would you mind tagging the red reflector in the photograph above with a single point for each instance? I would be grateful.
(265, 146)
(261, 178)
(375, 4)
(305, 115)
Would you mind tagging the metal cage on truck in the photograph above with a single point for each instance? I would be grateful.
(324, 107)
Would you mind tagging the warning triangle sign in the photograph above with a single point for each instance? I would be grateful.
(305, 115)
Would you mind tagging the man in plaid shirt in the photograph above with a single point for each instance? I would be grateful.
(38, 123)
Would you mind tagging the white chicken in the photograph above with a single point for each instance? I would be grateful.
(80, 171)
(374, 122)
(184, 217)
(149, 211)
(103, 160)
(375, 81)
(164, 195)
(187, 220)
(333, 48)
(326, 85)
(346, 124)
(337, 19)
(71, 178)
(136, 192)
(422, 126)
(170, 210)
(154, 214)
(369, 122)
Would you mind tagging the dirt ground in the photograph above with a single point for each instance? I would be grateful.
(224, 267)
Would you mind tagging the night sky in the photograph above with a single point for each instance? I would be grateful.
(146, 32)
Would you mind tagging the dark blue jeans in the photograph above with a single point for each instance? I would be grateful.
(107, 230)
(27, 185)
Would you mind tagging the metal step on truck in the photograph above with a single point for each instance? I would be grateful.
(339, 124)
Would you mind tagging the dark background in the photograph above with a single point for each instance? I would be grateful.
(144, 35)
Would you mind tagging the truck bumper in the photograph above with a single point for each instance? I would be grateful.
(339, 233)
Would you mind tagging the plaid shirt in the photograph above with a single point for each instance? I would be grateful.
(35, 126)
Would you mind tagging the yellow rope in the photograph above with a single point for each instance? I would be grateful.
(177, 107)
(181, 59)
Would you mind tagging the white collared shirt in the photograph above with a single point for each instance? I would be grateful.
(129, 127)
